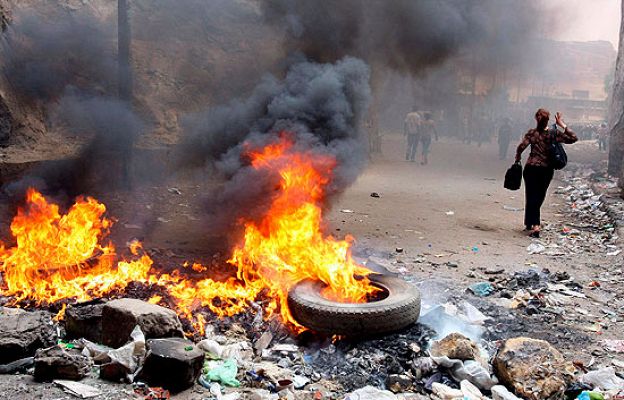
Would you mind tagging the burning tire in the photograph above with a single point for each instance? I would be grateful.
(399, 309)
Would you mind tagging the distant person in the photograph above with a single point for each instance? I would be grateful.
(465, 130)
(427, 130)
(411, 129)
(504, 137)
(538, 171)
(587, 132)
(603, 137)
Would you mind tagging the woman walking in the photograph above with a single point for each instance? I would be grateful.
(538, 171)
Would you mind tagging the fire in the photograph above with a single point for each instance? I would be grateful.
(287, 246)
(59, 257)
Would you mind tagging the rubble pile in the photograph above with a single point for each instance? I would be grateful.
(259, 360)
(596, 216)
(472, 345)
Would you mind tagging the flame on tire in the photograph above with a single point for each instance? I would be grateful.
(66, 256)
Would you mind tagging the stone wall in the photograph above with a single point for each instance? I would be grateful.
(616, 113)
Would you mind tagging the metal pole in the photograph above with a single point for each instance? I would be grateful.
(123, 41)
(124, 82)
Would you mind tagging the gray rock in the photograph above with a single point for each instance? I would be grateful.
(455, 346)
(261, 394)
(172, 363)
(84, 320)
(284, 363)
(119, 317)
(370, 393)
(58, 363)
(532, 368)
(23, 332)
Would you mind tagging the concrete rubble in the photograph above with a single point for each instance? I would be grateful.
(23, 332)
(119, 317)
(84, 321)
(57, 362)
(173, 363)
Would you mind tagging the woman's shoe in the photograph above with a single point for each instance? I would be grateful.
(535, 231)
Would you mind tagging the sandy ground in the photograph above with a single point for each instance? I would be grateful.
(450, 211)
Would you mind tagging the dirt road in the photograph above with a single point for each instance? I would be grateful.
(454, 220)
(453, 210)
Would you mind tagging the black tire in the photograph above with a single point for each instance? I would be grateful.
(400, 309)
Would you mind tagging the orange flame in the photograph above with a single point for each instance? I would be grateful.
(288, 245)
(61, 256)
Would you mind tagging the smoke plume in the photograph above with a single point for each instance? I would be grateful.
(69, 69)
(41, 59)
(320, 91)
(320, 105)
(406, 35)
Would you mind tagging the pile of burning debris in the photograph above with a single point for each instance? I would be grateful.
(243, 357)
(237, 339)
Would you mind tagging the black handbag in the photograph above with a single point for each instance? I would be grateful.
(558, 156)
(513, 177)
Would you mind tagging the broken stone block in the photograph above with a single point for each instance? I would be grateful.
(119, 317)
(532, 368)
(58, 363)
(455, 346)
(84, 320)
(172, 363)
(23, 332)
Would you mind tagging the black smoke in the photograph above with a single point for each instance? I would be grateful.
(66, 65)
(319, 105)
(408, 35)
(70, 67)
(43, 58)
(339, 38)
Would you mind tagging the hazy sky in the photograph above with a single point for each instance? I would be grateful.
(586, 19)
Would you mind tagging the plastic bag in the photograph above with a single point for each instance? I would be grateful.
(225, 373)
(590, 396)
(605, 379)
(482, 289)
(469, 370)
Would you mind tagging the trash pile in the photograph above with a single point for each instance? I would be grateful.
(541, 297)
(596, 218)
(142, 344)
